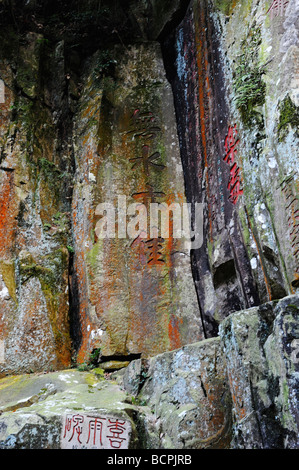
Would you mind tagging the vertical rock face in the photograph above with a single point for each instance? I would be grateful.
(136, 293)
(188, 392)
(34, 220)
(261, 352)
(238, 149)
(110, 124)
(223, 275)
(121, 120)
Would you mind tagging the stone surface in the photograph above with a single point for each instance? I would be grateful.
(188, 394)
(233, 71)
(138, 102)
(34, 220)
(135, 295)
(237, 391)
(67, 409)
(261, 352)
(181, 401)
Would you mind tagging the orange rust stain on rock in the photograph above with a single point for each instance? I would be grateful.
(202, 65)
(236, 394)
(174, 332)
(7, 214)
(85, 140)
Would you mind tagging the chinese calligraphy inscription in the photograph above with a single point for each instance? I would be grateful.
(234, 184)
(80, 431)
(292, 208)
(145, 129)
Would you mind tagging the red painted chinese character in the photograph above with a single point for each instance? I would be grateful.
(77, 421)
(230, 145)
(116, 428)
(95, 428)
(68, 424)
(234, 184)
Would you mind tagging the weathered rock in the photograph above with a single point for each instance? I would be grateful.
(235, 391)
(181, 401)
(188, 394)
(233, 74)
(34, 221)
(135, 293)
(67, 409)
(261, 351)
(114, 365)
(87, 117)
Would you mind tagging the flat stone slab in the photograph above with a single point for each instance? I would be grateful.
(88, 431)
(64, 410)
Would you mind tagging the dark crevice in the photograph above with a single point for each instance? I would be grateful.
(203, 387)
(176, 19)
(120, 358)
(74, 309)
(224, 273)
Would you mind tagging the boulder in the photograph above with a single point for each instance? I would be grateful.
(188, 395)
(261, 351)
(64, 410)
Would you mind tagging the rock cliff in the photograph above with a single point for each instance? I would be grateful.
(149, 224)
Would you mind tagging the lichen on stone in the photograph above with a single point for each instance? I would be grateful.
(249, 87)
(288, 117)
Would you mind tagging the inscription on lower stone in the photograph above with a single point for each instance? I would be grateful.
(83, 431)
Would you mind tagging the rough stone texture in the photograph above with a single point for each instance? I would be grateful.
(232, 67)
(88, 115)
(270, 146)
(239, 390)
(134, 297)
(53, 299)
(34, 411)
(175, 400)
(188, 394)
(261, 352)
(34, 220)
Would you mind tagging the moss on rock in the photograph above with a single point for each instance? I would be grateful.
(289, 116)
(249, 87)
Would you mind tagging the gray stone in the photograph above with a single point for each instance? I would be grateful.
(67, 409)
(188, 395)
(261, 348)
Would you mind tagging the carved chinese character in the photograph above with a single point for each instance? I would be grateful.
(94, 432)
(148, 196)
(116, 429)
(76, 422)
(154, 245)
(68, 424)
(146, 159)
(277, 8)
(95, 429)
(230, 145)
(292, 218)
(234, 184)
(144, 125)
